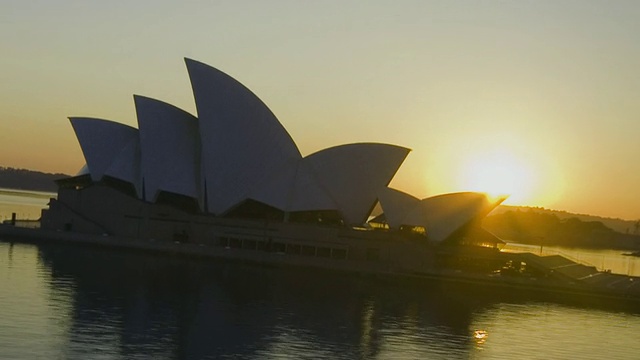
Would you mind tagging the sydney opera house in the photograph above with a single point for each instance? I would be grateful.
(233, 178)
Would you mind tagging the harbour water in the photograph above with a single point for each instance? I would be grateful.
(61, 302)
(25, 204)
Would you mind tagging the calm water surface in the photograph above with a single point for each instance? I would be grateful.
(26, 204)
(78, 303)
(87, 303)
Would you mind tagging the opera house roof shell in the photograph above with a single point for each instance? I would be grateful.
(236, 150)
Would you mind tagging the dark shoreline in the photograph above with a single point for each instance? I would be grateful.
(502, 288)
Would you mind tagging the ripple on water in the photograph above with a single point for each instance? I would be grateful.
(93, 303)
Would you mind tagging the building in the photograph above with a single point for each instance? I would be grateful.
(233, 177)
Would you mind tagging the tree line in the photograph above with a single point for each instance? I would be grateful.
(530, 227)
(23, 179)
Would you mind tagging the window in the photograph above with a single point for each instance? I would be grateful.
(293, 249)
(308, 250)
(323, 252)
(339, 254)
(223, 242)
(235, 243)
(278, 247)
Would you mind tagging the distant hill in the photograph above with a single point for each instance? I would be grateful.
(23, 179)
(619, 225)
(560, 228)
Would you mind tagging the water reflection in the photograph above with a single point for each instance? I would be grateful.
(61, 302)
(26, 204)
(141, 306)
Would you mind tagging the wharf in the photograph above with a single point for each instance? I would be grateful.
(554, 277)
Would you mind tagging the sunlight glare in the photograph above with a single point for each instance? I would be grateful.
(499, 173)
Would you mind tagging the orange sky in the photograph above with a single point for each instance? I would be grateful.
(545, 95)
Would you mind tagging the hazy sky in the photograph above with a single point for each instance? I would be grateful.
(545, 94)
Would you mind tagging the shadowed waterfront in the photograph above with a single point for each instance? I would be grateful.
(77, 302)
(197, 309)
(83, 302)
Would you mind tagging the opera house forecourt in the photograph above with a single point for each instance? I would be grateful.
(230, 183)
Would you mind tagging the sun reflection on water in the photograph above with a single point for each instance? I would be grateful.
(480, 336)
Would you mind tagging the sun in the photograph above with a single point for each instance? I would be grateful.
(499, 173)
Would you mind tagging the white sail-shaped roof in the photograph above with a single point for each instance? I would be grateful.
(442, 215)
(275, 189)
(110, 148)
(354, 174)
(308, 192)
(294, 188)
(396, 204)
(126, 165)
(84, 170)
(242, 141)
(234, 151)
(169, 149)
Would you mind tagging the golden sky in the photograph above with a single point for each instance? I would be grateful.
(539, 99)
